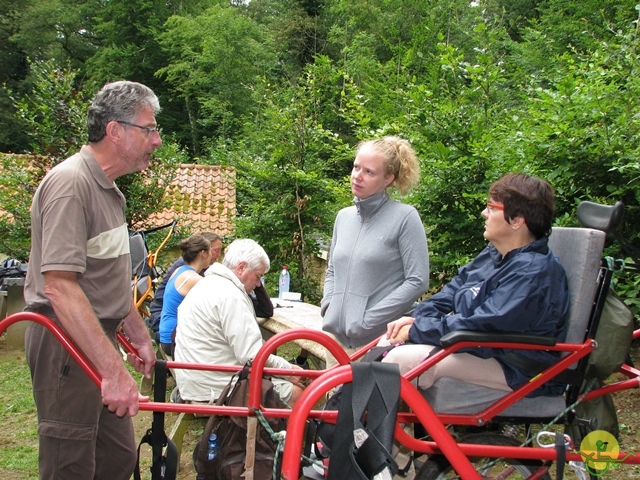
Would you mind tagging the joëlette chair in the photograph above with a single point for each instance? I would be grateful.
(579, 250)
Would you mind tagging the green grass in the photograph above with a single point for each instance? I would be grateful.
(18, 418)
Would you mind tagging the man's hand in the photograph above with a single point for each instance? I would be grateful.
(145, 361)
(120, 394)
(139, 365)
(398, 330)
(296, 380)
(140, 340)
(119, 390)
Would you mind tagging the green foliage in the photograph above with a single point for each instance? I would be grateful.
(55, 112)
(128, 37)
(19, 433)
(12, 77)
(214, 58)
(286, 195)
(453, 131)
(19, 178)
(128, 34)
(298, 30)
(580, 129)
(627, 285)
(56, 115)
(145, 190)
(283, 90)
(55, 29)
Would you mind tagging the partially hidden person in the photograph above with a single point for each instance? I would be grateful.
(217, 325)
(196, 254)
(261, 300)
(155, 308)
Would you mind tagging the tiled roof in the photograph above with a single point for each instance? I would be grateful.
(203, 198)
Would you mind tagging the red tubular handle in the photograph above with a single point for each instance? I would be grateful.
(57, 332)
(339, 375)
(274, 342)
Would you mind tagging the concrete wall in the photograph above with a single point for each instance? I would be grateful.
(12, 302)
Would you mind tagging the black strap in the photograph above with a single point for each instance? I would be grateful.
(376, 354)
(405, 470)
(158, 437)
(371, 399)
(561, 456)
(154, 229)
(309, 437)
(145, 439)
(371, 393)
(162, 467)
(382, 405)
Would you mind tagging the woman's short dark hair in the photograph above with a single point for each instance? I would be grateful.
(526, 196)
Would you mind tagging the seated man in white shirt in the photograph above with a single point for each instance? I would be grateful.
(217, 325)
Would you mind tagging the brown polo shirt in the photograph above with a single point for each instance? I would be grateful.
(78, 225)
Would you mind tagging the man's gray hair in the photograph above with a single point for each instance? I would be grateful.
(246, 250)
(118, 101)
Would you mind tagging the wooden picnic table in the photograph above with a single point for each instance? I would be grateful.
(293, 314)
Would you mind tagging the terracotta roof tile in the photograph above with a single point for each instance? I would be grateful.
(202, 197)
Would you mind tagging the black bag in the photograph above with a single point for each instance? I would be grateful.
(235, 439)
(367, 410)
(324, 430)
(597, 414)
(11, 269)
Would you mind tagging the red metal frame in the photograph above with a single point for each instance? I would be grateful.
(442, 443)
(575, 353)
(57, 332)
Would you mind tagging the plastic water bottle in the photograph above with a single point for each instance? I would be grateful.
(283, 283)
(580, 470)
(212, 447)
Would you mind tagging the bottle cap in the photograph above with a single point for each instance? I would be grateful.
(213, 436)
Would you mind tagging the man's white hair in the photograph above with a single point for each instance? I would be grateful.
(246, 250)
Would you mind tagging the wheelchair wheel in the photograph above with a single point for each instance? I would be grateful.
(438, 467)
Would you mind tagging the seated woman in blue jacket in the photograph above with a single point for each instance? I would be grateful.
(515, 285)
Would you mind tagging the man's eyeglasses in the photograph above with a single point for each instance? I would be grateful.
(149, 130)
(492, 206)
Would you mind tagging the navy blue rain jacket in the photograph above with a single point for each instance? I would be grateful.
(524, 292)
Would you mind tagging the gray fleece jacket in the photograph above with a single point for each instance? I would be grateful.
(378, 267)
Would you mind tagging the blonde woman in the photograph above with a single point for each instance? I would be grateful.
(379, 264)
